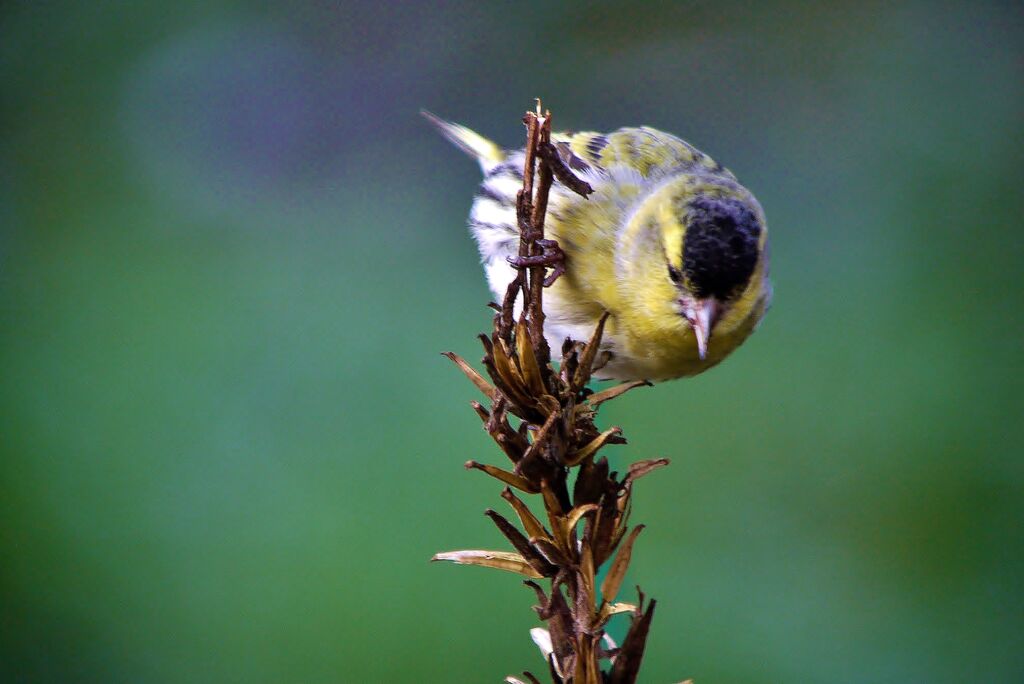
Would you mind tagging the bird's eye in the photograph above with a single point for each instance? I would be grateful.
(674, 274)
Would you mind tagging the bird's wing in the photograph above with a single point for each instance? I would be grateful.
(647, 150)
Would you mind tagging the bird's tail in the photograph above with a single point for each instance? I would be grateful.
(487, 154)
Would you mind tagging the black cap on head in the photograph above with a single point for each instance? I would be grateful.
(720, 249)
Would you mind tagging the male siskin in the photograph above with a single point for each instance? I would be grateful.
(669, 244)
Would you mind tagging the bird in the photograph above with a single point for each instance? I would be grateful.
(669, 244)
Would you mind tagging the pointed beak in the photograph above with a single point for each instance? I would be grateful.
(701, 315)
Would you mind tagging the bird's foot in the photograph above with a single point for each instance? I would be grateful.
(551, 256)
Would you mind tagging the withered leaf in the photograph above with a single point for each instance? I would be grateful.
(508, 478)
(590, 482)
(533, 527)
(503, 362)
(605, 523)
(625, 508)
(484, 414)
(542, 638)
(627, 662)
(555, 669)
(576, 514)
(527, 360)
(560, 624)
(477, 379)
(641, 468)
(617, 572)
(511, 441)
(589, 354)
(550, 551)
(486, 342)
(616, 608)
(591, 448)
(599, 398)
(501, 560)
(540, 439)
(508, 440)
(548, 405)
(586, 665)
(518, 402)
(522, 545)
(555, 520)
(585, 599)
(529, 676)
(542, 607)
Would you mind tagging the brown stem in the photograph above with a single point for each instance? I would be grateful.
(540, 208)
(556, 433)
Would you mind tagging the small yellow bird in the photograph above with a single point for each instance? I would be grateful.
(669, 243)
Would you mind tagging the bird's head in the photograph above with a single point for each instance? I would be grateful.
(714, 245)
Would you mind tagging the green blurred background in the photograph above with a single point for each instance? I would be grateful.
(230, 252)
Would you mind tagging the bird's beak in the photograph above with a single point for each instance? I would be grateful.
(701, 315)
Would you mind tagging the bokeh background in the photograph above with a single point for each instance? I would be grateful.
(231, 250)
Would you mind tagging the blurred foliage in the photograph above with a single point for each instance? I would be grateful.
(229, 444)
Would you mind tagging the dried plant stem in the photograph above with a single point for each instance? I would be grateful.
(540, 134)
(554, 434)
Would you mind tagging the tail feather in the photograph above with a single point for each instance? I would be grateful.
(487, 154)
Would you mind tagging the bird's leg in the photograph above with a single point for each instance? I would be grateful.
(551, 256)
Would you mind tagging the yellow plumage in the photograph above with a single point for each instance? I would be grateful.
(669, 243)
